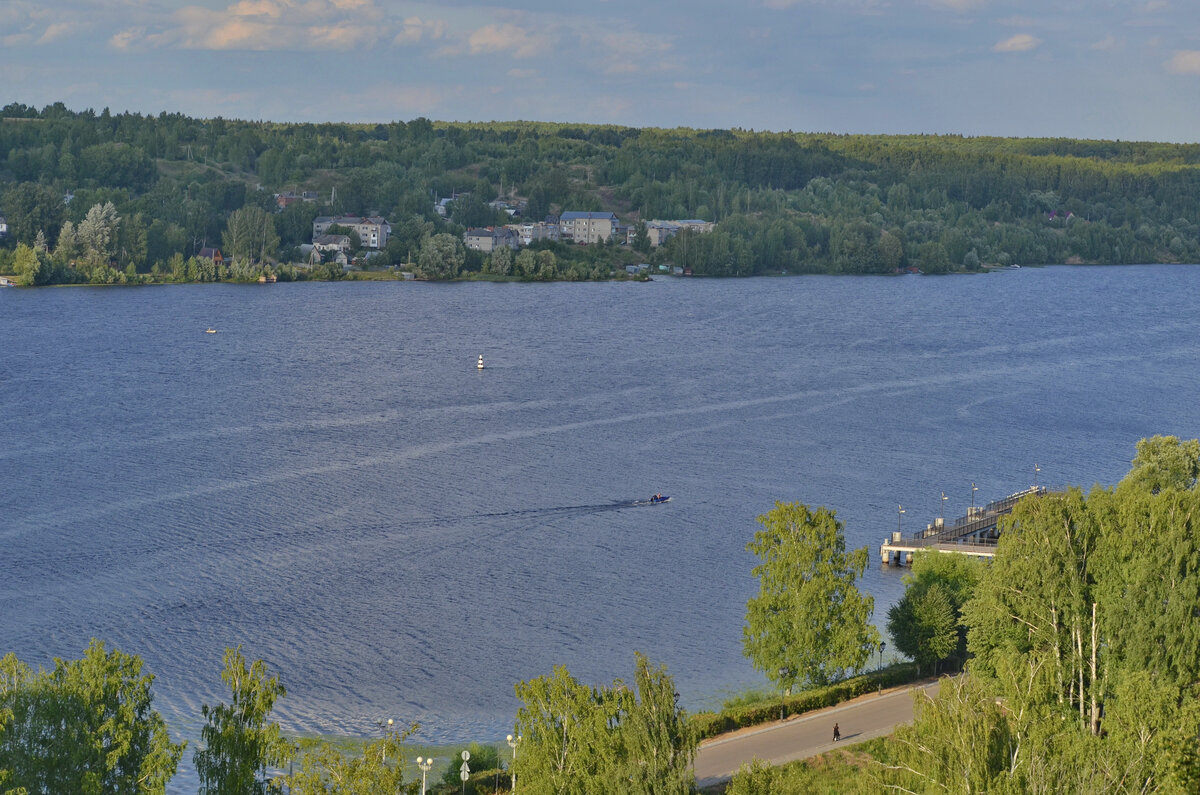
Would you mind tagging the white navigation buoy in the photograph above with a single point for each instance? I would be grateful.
(480, 365)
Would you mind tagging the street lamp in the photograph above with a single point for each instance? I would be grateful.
(942, 513)
(974, 489)
(899, 513)
(387, 729)
(882, 646)
(512, 743)
(1036, 470)
(425, 765)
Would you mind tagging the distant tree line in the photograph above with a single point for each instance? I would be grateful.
(783, 201)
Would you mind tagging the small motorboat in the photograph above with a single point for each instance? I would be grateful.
(657, 498)
(210, 331)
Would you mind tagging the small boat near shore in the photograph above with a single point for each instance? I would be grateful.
(210, 331)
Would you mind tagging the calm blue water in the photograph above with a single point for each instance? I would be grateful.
(330, 482)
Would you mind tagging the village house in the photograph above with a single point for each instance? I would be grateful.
(213, 254)
(372, 231)
(330, 243)
(490, 238)
(3, 226)
(587, 228)
(442, 206)
(660, 231)
(513, 207)
(539, 231)
(283, 200)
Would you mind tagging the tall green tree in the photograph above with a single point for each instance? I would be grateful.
(240, 743)
(578, 739)
(30, 207)
(87, 726)
(250, 235)
(442, 256)
(928, 628)
(97, 232)
(809, 624)
(28, 267)
(1163, 462)
(924, 626)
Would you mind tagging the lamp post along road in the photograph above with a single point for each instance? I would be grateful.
(387, 729)
(425, 765)
(512, 743)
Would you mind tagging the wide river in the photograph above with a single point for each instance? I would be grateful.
(329, 481)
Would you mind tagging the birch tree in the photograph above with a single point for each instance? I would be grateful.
(809, 624)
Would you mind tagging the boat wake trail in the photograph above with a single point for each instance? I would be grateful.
(559, 510)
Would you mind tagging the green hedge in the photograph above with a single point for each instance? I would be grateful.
(710, 724)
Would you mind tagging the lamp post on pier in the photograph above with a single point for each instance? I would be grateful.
(899, 513)
(942, 512)
(974, 489)
(1036, 470)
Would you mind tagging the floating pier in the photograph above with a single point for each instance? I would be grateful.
(974, 534)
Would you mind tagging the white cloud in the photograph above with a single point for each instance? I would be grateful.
(264, 25)
(1021, 42)
(55, 31)
(627, 51)
(519, 41)
(24, 23)
(1185, 62)
(416, 29)
(1109, 42)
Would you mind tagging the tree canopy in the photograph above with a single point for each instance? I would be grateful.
(1085, 646)
(240, 743)
(86, 726)
(808, 626)
(621, 738)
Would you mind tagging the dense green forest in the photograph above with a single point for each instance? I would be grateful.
(108, 197)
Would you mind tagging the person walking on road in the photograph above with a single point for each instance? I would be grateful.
(837, 733)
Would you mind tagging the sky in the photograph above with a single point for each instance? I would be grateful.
(1098, 69)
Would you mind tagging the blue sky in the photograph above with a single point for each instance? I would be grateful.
(1100, 69)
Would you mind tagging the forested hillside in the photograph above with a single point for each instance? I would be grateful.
(782, 201)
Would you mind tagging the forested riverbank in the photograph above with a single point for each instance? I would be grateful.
(112, 198)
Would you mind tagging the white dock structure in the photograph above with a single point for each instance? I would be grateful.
(974, 534)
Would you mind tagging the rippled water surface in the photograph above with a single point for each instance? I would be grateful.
(330, 482)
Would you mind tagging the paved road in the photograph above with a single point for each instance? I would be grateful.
(808, 735)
